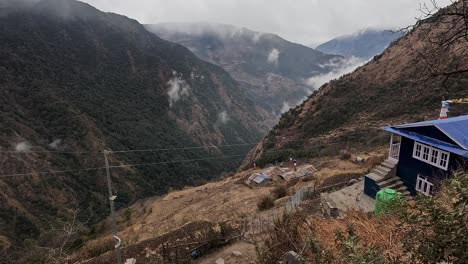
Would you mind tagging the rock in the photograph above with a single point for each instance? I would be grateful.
(130, 261)
(219, 261)
(359, 159)
(237, 253)
(293, 258)
(353, 181)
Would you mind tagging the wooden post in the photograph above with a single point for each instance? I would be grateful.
(390, 150)
(113, 217)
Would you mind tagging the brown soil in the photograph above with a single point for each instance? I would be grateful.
(247, 250)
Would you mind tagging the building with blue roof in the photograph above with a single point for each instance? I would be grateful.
(421, 155)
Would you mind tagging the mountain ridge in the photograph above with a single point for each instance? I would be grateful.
(397, 86)
(274, 70)
(365, 43)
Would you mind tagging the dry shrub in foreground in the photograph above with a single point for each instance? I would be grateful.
(427, 230)
(436, 228)
(291, 232)
(382, 233)
(359, 238)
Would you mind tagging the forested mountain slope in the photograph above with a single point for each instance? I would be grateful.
(273, 69)
(405, 83)
(75, 79)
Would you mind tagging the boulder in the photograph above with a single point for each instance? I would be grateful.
(130, 261)
(293, 258)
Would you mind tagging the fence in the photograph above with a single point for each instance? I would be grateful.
(312, 193)
(209, 238)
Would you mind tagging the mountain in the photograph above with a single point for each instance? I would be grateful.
(363, 44)
(405, 83)
(75, 81)
(273, 69)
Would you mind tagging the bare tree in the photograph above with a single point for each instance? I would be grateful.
(445, 40)
(65, 234)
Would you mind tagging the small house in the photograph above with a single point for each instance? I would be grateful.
(258, 178)
(420, 155)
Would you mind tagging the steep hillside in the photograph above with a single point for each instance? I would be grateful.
(76, 81)
(273, 69)
(363, 44)
(405, 83)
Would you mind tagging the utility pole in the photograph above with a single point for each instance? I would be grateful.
(117, 240)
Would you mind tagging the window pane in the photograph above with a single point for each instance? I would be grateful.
(434, 156)
(425, 153)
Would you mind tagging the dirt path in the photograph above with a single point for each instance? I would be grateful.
(246, 249)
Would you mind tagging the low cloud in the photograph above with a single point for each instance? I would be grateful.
(273, 57)
(178, 88)
(338, 69)
(23, 146)
(256, 37)
(223, 117)
(285, 107)
(55, 144)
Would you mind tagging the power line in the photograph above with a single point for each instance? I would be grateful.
(131, 150)
(129, 165)
(171, 162)
(48, 172)
(183, 148)
(160, 149)
(158, 163)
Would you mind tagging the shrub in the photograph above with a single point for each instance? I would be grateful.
(436, 229)
(352, 252)
(290, 232)
(279, 192)
(265, 203)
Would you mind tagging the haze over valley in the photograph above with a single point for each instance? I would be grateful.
(131, 132)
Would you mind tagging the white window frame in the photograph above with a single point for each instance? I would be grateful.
(431, 155)
(424, 186)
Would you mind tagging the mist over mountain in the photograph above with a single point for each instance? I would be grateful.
(363, 44)
(273, 70)
(397, 86)
(77, 80)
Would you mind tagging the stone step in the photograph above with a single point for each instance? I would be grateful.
(386, 182)
(389, 164)
(382, 169)
(375, 177)
(395, 185)
(407, 194)
(380, 173)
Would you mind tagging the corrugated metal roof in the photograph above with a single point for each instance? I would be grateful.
(456, 128)
(429, 141)
(258, 177)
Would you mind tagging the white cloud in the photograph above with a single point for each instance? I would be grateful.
(178, 88)
(305, 21)
(256, 37)
(285, 107)
(223, 117)
(23, 146)
(273, 57)
(55, 144)
(338, 68)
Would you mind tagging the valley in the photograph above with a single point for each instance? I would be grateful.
(221, 144)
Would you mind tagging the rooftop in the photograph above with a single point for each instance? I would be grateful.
(456, 128)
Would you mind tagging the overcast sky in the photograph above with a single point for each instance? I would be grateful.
(309, 22)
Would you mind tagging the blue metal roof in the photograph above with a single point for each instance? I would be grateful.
(429, 141)
(456, 128)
